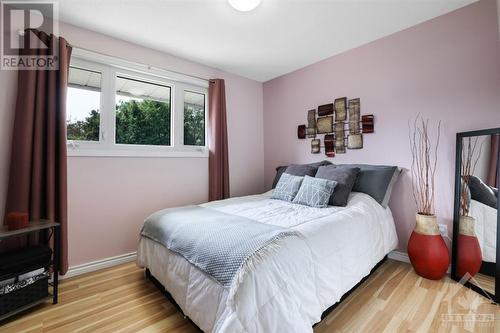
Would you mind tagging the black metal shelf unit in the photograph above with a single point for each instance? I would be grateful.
(38, 292)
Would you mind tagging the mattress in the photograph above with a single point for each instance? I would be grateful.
(485, 226)
(290, 289)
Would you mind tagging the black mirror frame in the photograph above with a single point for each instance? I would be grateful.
(456, 215)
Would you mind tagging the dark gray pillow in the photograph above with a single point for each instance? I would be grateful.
(495, 190)
(302, 170)
(281, 169)
(375, 180)
(481, 192)
(279, 172)
(320, 163)
(345, 178)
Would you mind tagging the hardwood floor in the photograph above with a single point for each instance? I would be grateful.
(393, 299)
(484, 281)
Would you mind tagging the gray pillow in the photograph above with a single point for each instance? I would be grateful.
(287, 187)
(320, 163)
(495, 191)
(375, 180)
(345, 178)
(279, 172)
(302, 170)
(315, 192)
(281, 169)
(481, 192)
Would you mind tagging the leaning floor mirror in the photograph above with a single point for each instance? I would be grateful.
(476, 221)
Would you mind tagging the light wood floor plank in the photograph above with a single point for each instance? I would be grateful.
(484, 281)
(394, 299)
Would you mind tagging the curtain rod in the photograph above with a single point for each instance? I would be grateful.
(138, 63)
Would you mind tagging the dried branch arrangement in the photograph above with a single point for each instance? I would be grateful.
(469, 163)
(423, 165)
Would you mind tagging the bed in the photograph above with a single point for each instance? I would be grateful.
(291, 287)
(486, 229)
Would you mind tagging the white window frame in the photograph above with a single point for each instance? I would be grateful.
(110, 67)
(204, 93)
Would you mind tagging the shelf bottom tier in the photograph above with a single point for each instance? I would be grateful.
(24, 298)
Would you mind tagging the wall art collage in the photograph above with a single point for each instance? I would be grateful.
(341, 123)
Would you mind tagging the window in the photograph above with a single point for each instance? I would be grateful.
(119, 108)
(142, 112)
(194, 119)
(83, 104)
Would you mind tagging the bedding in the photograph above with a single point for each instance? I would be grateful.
(279, 172)
(315, 192)
(287, 187)
(217, 243)
(288, 290)
(294, 171)
(375, 180)
(481, 192)
(345, 178)
(486, 228)
(301, 170)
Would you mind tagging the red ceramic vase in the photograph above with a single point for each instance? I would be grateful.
(469, 257)
(427, 250)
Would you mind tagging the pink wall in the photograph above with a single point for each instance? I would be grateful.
(110, 197)
(446, 69)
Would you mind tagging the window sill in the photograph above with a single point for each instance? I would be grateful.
(201, 152)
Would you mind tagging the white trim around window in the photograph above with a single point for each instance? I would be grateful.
(110, 67)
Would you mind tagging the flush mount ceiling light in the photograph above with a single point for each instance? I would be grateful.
(244, 5)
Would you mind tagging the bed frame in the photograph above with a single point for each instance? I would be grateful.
(323, 315)
(488, 268)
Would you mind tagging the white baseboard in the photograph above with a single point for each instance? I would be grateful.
(128, 257)
(399, 256)
(99, 264)
(403, 256)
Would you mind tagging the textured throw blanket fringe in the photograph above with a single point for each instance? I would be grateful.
(251, 262)
(224, 246)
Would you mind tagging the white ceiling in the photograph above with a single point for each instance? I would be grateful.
(278, 37)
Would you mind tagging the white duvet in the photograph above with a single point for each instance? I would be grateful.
(288, 289)
(486, 229)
